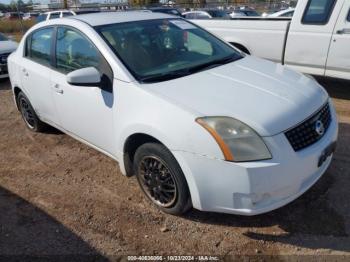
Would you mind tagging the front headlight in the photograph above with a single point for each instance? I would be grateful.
(238, 142)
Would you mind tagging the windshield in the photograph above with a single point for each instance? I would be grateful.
(163, 49)
(3, 38)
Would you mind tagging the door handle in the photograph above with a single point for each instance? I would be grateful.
(57, 89)
(25, 72)
(345, 31)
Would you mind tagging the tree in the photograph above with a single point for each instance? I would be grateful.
(14, 4)
(143, 2)
(3, 7)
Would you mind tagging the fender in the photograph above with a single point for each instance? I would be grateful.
(168, 143)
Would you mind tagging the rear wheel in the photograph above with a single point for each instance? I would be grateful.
(161, 178)
(29, 116)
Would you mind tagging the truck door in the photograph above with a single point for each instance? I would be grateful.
(338, 63)
(310, 35)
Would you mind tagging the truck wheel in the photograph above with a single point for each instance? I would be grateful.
(161, 178)
(29, 116)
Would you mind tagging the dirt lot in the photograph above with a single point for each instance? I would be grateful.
(59, 197)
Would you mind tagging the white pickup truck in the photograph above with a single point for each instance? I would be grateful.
(315, 41)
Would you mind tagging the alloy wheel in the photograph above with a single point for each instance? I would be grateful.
(157, 181)
(27, 113)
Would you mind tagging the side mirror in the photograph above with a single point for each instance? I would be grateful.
(88, 76)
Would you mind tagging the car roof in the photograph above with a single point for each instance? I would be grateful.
(105, 18)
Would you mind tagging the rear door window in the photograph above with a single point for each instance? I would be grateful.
(39, 46)
(318, 12)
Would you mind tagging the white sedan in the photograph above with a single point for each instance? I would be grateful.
(196, 15)
(283, 13)
(199, 123)
(7, 46)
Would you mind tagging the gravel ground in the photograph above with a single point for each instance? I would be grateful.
(60, 197)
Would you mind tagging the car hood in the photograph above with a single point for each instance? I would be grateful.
(7, 46)
(267, 96)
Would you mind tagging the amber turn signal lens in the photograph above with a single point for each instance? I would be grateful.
(223, 146)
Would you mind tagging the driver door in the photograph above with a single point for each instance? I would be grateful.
(338, 62)
(84, 111)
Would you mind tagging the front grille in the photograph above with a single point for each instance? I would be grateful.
(311, 130)
(3, 70)
(3, 58)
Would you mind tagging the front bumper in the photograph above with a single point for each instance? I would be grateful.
(253, 188)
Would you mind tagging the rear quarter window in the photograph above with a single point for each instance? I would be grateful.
(318, 12)
(348, 16)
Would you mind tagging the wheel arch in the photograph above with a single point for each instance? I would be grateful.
(135, 140)
(131, 144)
(16, 91)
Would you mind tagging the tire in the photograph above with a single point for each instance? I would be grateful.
(161, 178)
(29, 116)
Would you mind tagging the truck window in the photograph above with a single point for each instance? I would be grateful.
(318, 12)
(349, 16)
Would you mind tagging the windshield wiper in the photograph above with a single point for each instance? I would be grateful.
(213, 64)
(165, 76)
(188, 71)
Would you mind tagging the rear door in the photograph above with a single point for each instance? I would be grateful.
(338, 63)
(310, 35)
(85, 111)
(36, 71)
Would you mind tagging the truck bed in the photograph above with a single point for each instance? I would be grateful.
(263, 37)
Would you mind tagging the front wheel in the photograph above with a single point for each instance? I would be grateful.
(161, 178)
